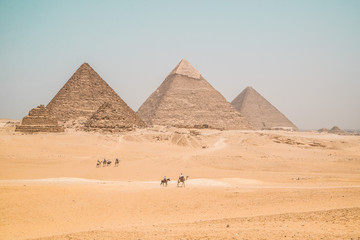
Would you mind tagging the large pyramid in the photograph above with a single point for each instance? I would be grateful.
(83, 94)
(259, 112)
(113, 119)
(186, 99)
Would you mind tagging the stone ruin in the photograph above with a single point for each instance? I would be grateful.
(186, 99)
(112, 118)
(39, 120)
(334, 130)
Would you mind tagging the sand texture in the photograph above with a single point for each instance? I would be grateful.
(242, 185)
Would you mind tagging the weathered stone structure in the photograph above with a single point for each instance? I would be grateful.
(39, 120)
(82, 95)
(334, 130)
(109, 118)
(186, 99)
(259, 112)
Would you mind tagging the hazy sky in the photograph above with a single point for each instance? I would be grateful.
(302, 56)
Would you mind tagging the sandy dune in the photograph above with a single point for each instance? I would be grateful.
(242, 185)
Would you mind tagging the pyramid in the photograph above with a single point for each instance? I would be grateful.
(39, 119)
(82, 95)
(186, 99)
(112, 119)
(259, 112)
(336, 130)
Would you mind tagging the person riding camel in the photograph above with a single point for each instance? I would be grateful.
(181, 176)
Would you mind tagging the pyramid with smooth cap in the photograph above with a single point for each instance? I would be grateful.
(109, 118)
(83, 94)
(186, 99)
(260, 112)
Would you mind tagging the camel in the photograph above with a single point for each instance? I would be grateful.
(116, 163)
(104, 162)
(164, 182)
(108, 163)
(182, 180)
(98, 163)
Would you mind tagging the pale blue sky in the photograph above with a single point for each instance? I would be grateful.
(302, 56)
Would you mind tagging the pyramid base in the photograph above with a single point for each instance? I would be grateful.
(109, 129)
(35, 128)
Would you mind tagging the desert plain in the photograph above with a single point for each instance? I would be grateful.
(242, 185)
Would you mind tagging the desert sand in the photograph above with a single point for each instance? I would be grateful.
(242, 185)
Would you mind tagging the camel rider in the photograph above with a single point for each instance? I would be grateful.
(164, 178)
(181, 176)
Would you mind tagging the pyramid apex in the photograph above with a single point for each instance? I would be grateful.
(85, 67)
(85, 64)
(249, 90)
(186, 69)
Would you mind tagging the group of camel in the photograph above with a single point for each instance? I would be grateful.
(182, 179)
(163, 182)
(106, 163)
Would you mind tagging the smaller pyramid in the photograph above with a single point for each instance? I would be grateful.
(109, 118)
(260, 112)
(336, 130)
(323, 130)
(39, 120)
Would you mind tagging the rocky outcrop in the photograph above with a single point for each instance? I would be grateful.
(186, 99)
(39, 120)
(260, 112)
